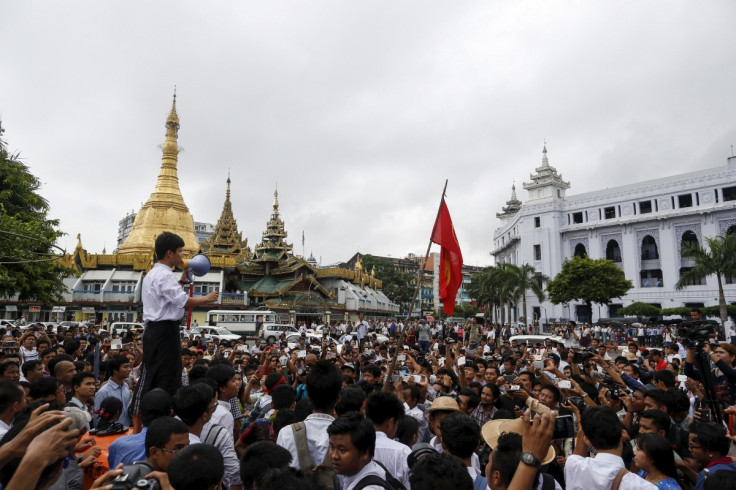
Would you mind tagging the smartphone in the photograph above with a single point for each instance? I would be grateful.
(406, 347)
(538, 364)
(564, 384)
(461, 361)
(401, 357)
(243, 348)
(9, 344)
(514, 388)
(394, 378)
(681, 378)
(417, 378)
(564, 427)
(509, 378)
(705, 415)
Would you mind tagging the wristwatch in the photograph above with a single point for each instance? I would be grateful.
(531, 460)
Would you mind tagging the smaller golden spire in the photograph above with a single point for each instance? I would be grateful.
(173, 116)
(276, 200)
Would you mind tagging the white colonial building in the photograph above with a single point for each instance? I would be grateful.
(640, 226)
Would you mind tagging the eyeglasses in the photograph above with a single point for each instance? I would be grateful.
(173, 451)
(213, 406)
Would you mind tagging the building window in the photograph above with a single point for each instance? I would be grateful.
(537, 252)
(580, 250)
(645, 207)
(613, 251)
(613, 310)
(610, 212)
(685, 200)
(729, 194)
(537, 222)
(651, 278)
(577, 218)
(649, 248)
(698, 282)
(688, 237)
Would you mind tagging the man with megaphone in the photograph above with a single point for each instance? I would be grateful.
(164, 303)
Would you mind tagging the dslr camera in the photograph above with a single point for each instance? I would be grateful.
(133, 477)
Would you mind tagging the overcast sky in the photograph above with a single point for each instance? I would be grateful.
(359, 110)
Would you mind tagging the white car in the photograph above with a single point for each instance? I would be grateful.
(313, 341)
(271, 333)
(536, 339)
(209, 333)
(380, 338)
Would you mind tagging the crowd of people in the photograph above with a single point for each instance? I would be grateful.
(458, 406)
(385, 405)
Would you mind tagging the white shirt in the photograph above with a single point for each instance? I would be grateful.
(4, 428)
(318, 441)
(417, 414)
(392, 454)
(194, 439)
(371, 468)
(162, 295)
(221, 416)
(598, 473)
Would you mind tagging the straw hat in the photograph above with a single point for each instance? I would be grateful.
(442, 403)
(495, 428)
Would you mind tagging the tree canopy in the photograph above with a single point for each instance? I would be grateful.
(640, 310)
(397, 285)
(718, 259)
(589, 281)
(28, 265)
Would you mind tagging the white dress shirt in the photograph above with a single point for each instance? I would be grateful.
(598, 474)
(392, 454)
(318, 441)
(417, 414)
(221, 416)
(371, 468)
(162, 295)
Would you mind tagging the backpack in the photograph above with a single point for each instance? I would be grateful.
(323, 475)
(390, 483)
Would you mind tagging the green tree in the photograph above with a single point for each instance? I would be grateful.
(718, 259)
(589, 281)
(28, 263)
(397, 285)
(528, 279)
(640, 310)
(496, 286)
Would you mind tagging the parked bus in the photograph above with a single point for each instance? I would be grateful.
(242, 322)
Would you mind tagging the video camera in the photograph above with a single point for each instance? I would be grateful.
(696, 333)
(582, 355)
(134, 477)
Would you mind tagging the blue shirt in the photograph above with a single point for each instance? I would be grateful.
(122, 393)
(127, 449)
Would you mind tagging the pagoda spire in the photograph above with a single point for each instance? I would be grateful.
(165, 209)
(226, 240)
(512, 207)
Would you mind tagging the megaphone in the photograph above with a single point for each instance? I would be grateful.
(198, 265)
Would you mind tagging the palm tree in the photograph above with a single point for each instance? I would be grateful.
(527, 278)
(719, 259)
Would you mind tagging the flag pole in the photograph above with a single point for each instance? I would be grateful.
(402, 336)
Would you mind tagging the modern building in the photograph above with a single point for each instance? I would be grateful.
(640, 226)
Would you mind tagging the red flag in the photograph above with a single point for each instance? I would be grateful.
(451, 258)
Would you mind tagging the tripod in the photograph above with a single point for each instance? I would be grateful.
(702, 364)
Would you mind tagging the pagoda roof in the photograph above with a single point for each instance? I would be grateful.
(226, 240)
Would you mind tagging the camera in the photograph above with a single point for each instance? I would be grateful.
(580, 357)
(695, 334)
(133, 476)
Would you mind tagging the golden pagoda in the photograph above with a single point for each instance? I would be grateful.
(165, 210)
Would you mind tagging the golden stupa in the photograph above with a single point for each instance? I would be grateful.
(165, 210)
